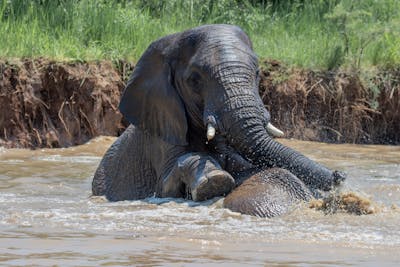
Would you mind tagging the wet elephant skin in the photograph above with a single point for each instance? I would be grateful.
(268, 193)
(197, 122)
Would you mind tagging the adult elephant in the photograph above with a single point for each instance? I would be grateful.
(197, 123)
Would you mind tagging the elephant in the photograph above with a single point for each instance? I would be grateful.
(268, 193)
(198, 124)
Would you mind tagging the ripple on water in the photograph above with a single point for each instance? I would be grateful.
(45, 195)
(70, 159)
(156, 216)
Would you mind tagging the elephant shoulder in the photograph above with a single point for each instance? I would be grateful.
(126, 171)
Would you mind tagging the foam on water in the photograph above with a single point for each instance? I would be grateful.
(77, 159)
(45, 196)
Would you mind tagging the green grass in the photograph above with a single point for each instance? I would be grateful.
(306, 33)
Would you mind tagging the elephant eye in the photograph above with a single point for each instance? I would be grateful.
(194, 81)
(258, 77)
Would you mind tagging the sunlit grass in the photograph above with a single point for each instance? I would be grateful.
(297, 33)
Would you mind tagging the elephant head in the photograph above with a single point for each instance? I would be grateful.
(192, 86)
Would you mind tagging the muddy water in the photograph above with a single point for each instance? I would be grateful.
(47, 217)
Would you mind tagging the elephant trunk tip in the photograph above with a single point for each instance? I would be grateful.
(335, 179)
(338, 177)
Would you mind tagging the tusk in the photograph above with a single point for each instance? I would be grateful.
(210, 132)
(271, 129)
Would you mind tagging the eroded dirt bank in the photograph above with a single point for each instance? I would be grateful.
(333, 107)
(50, 104)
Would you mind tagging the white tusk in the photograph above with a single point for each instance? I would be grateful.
(210, 132)
(271, 129)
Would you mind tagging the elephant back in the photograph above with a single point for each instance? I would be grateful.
(268, 193)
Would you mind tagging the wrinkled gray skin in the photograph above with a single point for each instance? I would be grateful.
(181, 83)
(268, 193)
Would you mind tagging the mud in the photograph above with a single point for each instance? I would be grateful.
(349, 202)
(52, 104)
(333, 107)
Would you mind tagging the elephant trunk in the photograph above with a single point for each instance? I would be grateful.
(248, 135)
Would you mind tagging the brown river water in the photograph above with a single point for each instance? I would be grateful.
(47, 217)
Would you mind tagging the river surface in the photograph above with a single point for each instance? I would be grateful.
(47, 217)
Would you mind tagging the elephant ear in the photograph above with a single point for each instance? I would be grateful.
(150, 100)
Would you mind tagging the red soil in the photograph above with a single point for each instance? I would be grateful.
(50, 104)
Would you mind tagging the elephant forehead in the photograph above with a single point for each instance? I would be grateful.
(216, 32)
(223, 46)
(230, 50)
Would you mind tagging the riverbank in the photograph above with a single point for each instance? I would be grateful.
(46, 103)
(333, 107)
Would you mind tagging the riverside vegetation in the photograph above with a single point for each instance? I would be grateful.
(307, 33)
